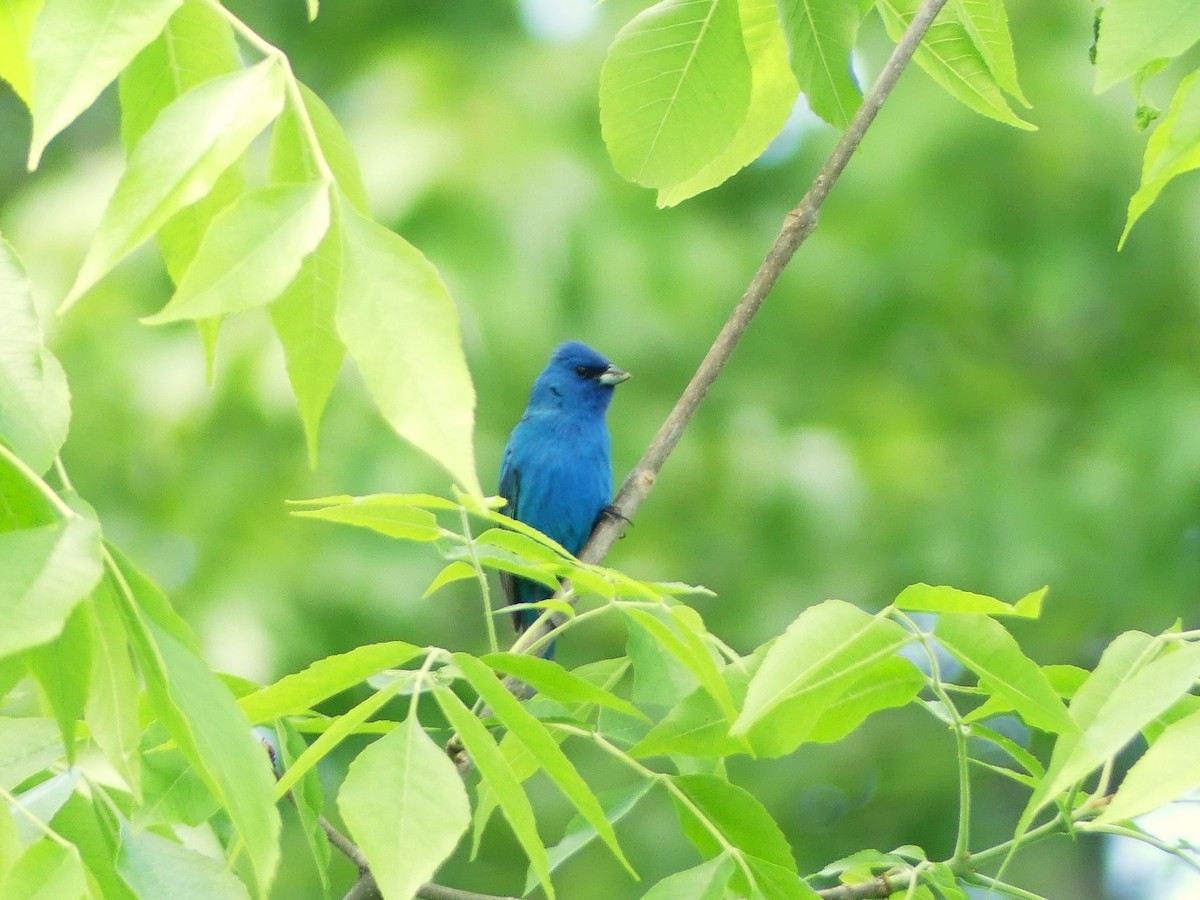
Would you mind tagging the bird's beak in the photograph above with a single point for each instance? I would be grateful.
(613, 375)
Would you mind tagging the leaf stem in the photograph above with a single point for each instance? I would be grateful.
(38, 482)
(484, 591)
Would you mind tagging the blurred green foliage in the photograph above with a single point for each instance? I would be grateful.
(959, 380)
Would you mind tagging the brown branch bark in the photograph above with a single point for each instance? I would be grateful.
(797, 226)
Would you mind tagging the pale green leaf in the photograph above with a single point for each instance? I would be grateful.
(552, 680)
(179, 159)
(47, 870)
(1135, 33)
(154, 866)
(1165, 772)
(384, 513)
(455, 571)
(533, 734)
(501, 780)
(78, 48)
(706, 881)
(927, 598)
(824, 652)
(1129, 693)
(773, 92)
(294, 157)
(821, 34)
(16, 29)
(987, 649)
(63, 670)
(986, 21)
(398, 322)
(696, 726)
(673, 634)
(1173, 149)
(111, 711)
(44, 574)
(41, 803)
(35, 404)
(892, 682)
(27, 745)
(674, 90)
(297, 692)
(252, 250)
(406, 807)
(201, 715)
(950, 57)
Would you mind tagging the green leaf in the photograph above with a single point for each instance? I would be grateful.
(35, 404)
(399, 323)
(27, 746)
(47, 870)
(303, 316)
(742, 821)
(776, 882)
(340, 728)
(987, 649)
(1165, 772)
(405, 806)
(63, 669)
(78, 48)
(950, 57)
(455, 571)
(251, 252)
(203, 718)
(293, 157)
(44, 574)
(926, 598)
(549, 678)
(111, 711)
(533, 734)
(986, 21)
(773, 92)
(674, 90)
(1134, 33)
(300, 691)
(154, 866)
(697, 726)
(1129, 692)
(309, 799)
(17, 17)
(383, 513)
(499, 777)
(821, 34)
(579, 833)
(706, 881)
(824, 652)
(659, 679)
(677, 634)
(1172, 150)
(891, 682)
(178, 161)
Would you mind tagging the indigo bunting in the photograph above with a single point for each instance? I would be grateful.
(556, 474)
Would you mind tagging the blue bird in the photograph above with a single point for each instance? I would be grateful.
(556, 474)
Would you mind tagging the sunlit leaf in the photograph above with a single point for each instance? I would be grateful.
(111, 711)
(63, 670)
(34, 400)
(552, 680)
(706, 881)
(406, 807)
(1172, 150)
(1134, 33)
(78, 48)
(27, 745)
(297, 692)
(179, 159)
(17, 18)
(674, 90)
(399, 324)
(252, 250)
(927, 598)
(736, 814)
(773, 93)
(1166, 771)
(987, 649)
(154, 866)
(389, 515)
(47, 870)
(950, 58)
(986, 21)
(820, 36)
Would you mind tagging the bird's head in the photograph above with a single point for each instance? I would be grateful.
(577, 378)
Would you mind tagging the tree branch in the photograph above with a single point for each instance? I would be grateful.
(797, 226)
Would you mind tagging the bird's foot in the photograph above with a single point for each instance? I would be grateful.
(612, 512)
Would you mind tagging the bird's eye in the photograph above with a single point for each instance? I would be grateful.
(581, 371)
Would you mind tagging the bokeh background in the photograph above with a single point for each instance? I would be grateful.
(959, 380)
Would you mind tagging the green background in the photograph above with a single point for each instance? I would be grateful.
(959, 380)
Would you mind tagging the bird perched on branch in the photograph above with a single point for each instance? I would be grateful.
(556, 474)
